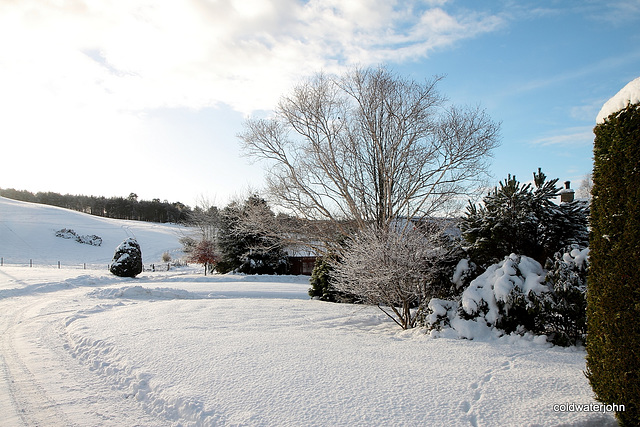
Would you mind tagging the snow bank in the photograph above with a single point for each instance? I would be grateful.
(630, 94)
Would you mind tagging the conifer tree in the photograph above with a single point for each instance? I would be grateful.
(523, 219)
(613, 291)
(245, 249)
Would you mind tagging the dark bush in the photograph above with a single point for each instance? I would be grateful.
(127, 261)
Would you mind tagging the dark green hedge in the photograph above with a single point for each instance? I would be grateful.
(613, 292)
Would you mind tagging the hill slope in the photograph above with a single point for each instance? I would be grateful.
(28, 231)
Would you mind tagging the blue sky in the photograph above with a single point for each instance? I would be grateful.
(111, 97)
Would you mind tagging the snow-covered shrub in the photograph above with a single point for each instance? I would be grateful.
(441, 313)
(517, 295)
(90, 239)
(451, 281)
(506, 296)
(127, 260)
(565, 307)
(388, 268)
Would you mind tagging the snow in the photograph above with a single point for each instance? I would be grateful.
(576, 256)
(176, 348)
(630, 94)
(497, 282)
(461, 268)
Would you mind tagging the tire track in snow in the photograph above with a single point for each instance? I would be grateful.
(29, 400)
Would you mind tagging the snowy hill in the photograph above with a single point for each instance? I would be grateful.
(28, 232)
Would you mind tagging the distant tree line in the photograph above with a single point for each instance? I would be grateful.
(111, 207)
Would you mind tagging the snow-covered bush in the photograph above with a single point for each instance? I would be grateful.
(388, 268)
(441, 313)
(127, 260)
(517, 295)
(565, 307)
(506, 295)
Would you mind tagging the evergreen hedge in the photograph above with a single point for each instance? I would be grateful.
(613, 291)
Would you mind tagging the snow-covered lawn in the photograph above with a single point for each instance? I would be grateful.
(85, 348)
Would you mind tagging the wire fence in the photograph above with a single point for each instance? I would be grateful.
(4, 262)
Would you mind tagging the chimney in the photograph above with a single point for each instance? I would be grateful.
(567, 193)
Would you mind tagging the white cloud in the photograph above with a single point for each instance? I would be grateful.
(575, 136)
(78, 77)
(143, 54)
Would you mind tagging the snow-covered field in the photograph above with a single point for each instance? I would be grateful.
(175, 348)
(27, 232)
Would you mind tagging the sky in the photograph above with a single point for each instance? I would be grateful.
(109, 97)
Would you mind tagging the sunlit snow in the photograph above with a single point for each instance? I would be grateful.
(81, 347)
(630, 94)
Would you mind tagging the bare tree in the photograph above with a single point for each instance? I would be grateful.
(205, 217)
(389, 267)
(369, 147)
(584, 192)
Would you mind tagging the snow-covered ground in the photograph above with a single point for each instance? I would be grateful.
(175, 348)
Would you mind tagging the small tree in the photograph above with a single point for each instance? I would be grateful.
(388, 268)
(613, 293)
(204, 253)
(564, 316)
(320, 281)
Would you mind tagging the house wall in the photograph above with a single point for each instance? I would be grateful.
(301, 265)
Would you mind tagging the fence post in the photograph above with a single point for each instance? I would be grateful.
(1, 262)
(30, 263)
(58, 265)
(84, 265)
